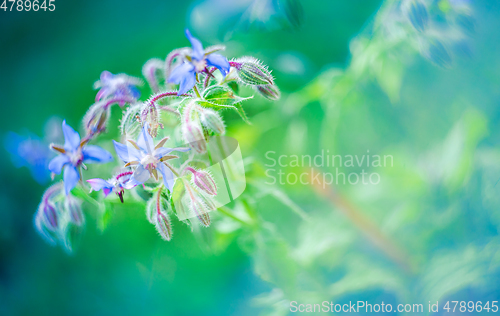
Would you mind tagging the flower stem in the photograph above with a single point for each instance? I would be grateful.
(158, 199)
(195, 88)
(169, 109)
(226, 211)
(162, 95)
(235, 64)
(119, 101)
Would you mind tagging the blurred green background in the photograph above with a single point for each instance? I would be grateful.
(347, 88)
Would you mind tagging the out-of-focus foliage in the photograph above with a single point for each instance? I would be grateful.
(437, 115)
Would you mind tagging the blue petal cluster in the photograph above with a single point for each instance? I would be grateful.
(73, 155)
(185, 73)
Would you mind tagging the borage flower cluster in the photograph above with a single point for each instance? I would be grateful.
(191, 88)
(440, 30)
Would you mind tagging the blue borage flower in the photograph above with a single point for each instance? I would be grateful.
(73, 155)
(30, 152)
(117, 86)
(116, 184)
(148, 158)
(185, 73)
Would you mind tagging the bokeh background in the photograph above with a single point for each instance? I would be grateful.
(355, 76)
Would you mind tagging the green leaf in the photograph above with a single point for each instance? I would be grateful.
(241, 112)
(220, 97)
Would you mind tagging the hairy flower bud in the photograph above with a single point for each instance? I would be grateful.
(149, 114)
(191, 129)
(47, 210)
(193, 135)
(153, 72)
(252, 72)
(130, 124)
(73, 206)
(50, 216)
(200, 209)
(163, 226)
(157, 214)
(96, 118)
(269, 91)
(204, 181)
(43, 230)
(212, 120)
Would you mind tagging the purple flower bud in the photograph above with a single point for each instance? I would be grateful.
(269, 91)
(252, 72)
(96, 118)
(203, 180)
(153, 71)
(50, 217)
(117, 86)
(149, 114)
(47, 210)
(157, 213)
(73, 206)
(212, 120)
(42, 229)
(163, 226)
(200, 209)
(191, 129)
(193, 135)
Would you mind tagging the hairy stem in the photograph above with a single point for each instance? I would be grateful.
(195, 88)
(226, 211)
(162, 95)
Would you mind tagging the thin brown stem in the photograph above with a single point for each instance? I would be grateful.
(369, 229)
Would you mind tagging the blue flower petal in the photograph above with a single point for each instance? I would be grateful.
(57, 163)
(131, 183)
(71, 177)
(145, 141)
(140, 175)
(180, 72)
(99, 184)
(168, 176)
(162, 151)
(71, 137)
(126, 153)
(219, 61)
(106, 76)
(134, 92)
(95, 154)
(196, 45)
(187, 83)
(181, 149)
